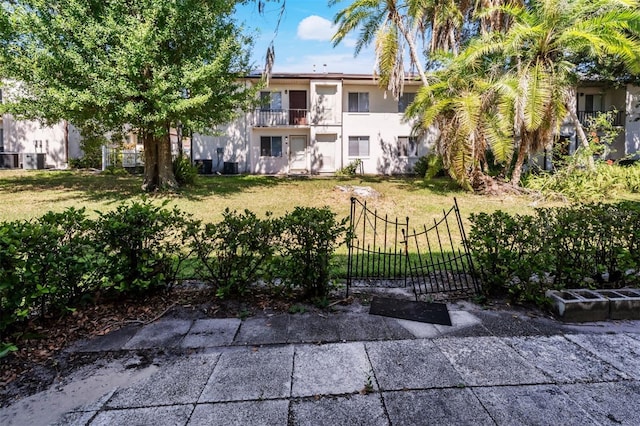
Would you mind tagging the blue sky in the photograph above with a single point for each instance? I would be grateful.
(304, 38)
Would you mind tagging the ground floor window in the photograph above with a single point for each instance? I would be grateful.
(407, 146)
(358, 146)
(271, 146)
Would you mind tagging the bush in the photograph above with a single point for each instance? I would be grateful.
(309, 238)
(184, 171)
(429, 166)
(143, 246)
(579, 246)
(234, 253)
(350, 169)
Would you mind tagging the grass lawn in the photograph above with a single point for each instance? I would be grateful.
(29, 194)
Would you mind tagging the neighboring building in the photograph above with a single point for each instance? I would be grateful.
(592, 98)
(316, 124)
(29, 144)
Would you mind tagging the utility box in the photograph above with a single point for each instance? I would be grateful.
(205, 167)
(230, 168)
(33, 160)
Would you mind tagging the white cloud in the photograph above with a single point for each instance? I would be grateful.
(315, 28)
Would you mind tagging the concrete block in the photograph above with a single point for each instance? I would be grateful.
(563, 360)
(160, 334)
(435, 406)
(113, 341)
(531, 405)
(579, 305)
(258, 413)
(207, 333)
(330, 369)
(181, 382)
(488, 361)
(249, 374)
(354, 410)
(151, 416)
(624, 304)
(411, 364)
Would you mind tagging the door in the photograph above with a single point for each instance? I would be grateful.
(297, 107)
(326, 153)
(298, 153)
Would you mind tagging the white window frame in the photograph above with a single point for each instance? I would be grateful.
(360, 140)
(362, 102)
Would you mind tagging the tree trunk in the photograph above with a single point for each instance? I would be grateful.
(158, 167)
(522, 153)
(413, 50)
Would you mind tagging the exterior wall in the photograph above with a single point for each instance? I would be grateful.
(632, 122)
(24, 136)
(233, 139)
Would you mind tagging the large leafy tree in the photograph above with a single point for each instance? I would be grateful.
(139, 65)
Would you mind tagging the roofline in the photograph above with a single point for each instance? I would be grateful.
(324, 76)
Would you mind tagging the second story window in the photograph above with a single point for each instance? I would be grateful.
(358, 102)
(405, 100)
(271, 146)
(270, 101)
(1, 139)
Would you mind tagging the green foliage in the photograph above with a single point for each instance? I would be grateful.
(429, 166)
(580, 184)
(350, 169)
(184, 171)
(579, 246)
(142, 245)
(309, 238)
(91, 144)
(234, 253)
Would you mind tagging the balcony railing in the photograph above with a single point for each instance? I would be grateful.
(586, 116)
(280, 117)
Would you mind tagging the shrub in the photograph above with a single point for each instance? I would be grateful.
(309, 238)
(557, 248)
(234, 253)
(184, 171)
(143, 246)
(429, 166)
(350, 169)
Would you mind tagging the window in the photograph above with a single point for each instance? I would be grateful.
(593, 103)
(359, 102)
(405, 100)
(358, 146)
(407, 146)
(271, 146)
(270, 101)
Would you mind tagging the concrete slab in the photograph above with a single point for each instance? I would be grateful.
(608, 403)
(160, 334)
(330, 369)
(419, 330)
(531, 405)
(398, 332)
(363, 327)
(619, 350)
(489, 361)
(258, 413)
(113, 341)
(435, 406)
(180, 382)
(505, 324)
(354, 410)
(250, 374)
(263, 331)
(167, 415)
(463, 322)
(214, 332)
(312, 328)
(411, 364)
(563, 360)
(75, 419)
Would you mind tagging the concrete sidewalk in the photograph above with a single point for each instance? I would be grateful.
(351, 368)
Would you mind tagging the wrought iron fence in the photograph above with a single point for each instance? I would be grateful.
(384, 252)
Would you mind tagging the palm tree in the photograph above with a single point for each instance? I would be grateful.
(537, 50)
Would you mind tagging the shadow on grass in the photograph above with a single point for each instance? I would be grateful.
(439, 185)
(90, 186)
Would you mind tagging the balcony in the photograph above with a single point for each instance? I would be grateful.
(586, 116)
(280, 117)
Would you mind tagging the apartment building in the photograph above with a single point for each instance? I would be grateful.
(316, 124)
